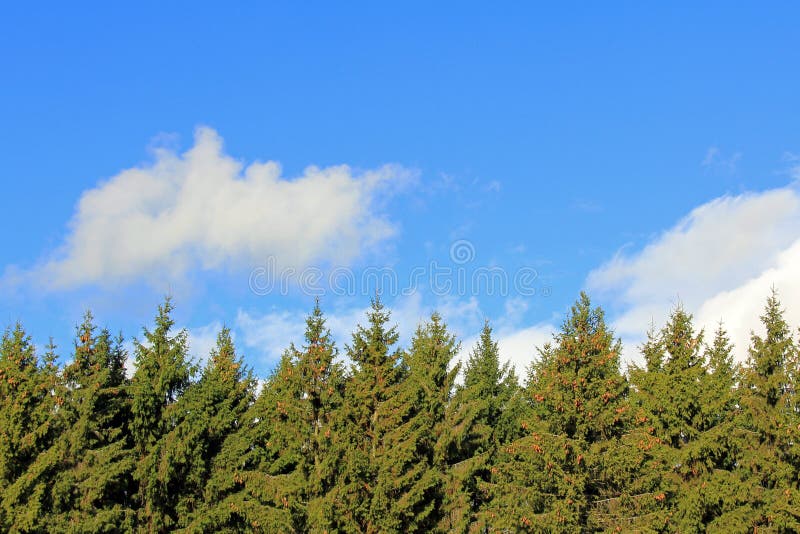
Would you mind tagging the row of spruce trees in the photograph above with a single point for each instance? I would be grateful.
(690, 442)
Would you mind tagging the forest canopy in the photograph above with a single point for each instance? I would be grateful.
(403, 438)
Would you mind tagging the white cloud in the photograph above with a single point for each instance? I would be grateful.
(205, 209)
(718, 262)
(712, 154)
(271, 333)
(516, 345)
(740, 307)
(493, 186)
(202, 340)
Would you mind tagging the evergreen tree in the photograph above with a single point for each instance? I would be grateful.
(574, 469)
(30, 399)
(208, 410)
(163, 373)
(482, 416)
(288, 436)
(672, 391)
(688, 396)
(706, 464)
(318, 395)
(377, 369)
(410, 464)
(91, 463)
(768, 465)
(721, 396)
(669, 397)
(254, 480)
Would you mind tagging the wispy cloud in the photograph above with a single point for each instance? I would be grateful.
(202, 340)
(586, 205)
(716, 159)
(267, 335)
(493, 186)
(794, 165)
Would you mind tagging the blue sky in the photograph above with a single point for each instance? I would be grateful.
(645, 153)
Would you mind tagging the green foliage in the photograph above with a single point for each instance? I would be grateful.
(30, 401)
(162, 375)
(90, 465)
(253, 483)
(691, 442)
(768, 460)
(483, 414)
(410, 461)
(361, 431)
(576, 466)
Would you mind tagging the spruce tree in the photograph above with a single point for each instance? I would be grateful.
(377, 368)
(410, 464)
(207, 411)
(482, 416)
(669, 398)
(89, 467)
(319, 383)
(254, 480)
(687, 397)
(281, 458)
(576, 468)
(30, 400)
(768, 464)
(705, 466)
(163, 373)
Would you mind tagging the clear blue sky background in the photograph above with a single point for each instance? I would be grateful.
(593, 119)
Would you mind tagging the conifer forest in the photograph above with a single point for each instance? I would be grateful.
(377, 437)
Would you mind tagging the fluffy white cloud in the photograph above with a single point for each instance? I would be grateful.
(204, 209)
(719, 262)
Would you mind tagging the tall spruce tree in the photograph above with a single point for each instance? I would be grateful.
(377, 369)
(163, 373)
(254, 480)
(768, 464)
(669, 396)
(207, 411)
(410, 464)
(30, 399)
(88, 469)
(687, 397)
(704, 467)
(483, 415)
(573, 470)
(318, 391)
(278, 467)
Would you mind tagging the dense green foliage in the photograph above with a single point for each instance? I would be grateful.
(389, 439)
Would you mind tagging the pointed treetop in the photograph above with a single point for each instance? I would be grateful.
(316, 332)
(483, 365)
(17, 347)
(720, 352)
(772, 319)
